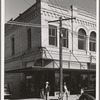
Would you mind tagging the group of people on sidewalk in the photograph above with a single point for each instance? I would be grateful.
(45, 92)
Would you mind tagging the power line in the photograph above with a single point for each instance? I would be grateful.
(25, 24)
(75, 34)
(43, 26)
(77, 60)
(27, 2)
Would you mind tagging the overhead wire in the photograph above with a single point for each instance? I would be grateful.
(71, 32)
(39, 26)
(27, 2)
(75, 33)
(43, 26)
(61, 11)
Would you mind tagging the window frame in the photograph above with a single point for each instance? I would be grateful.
(92, 42)
(13, 45)
(82, 39)
(53, 36)
(65, 38)
(29, 42)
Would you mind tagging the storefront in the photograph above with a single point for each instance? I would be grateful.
(76, 79)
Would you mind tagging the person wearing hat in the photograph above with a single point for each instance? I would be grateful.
(47, 90)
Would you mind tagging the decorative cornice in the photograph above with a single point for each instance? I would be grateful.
(85, 22)
(77, 20)
(54, 13)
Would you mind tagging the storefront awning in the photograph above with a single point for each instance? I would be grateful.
(31, 69)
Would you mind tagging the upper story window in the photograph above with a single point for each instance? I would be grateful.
(52, 35)
(13, 45)
(92, 43)
(82, 39)
(29, 38)
(65, 37)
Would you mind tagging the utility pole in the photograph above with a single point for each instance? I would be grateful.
(72, 24)
(60, 57)
(60, 52)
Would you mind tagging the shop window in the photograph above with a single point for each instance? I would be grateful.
(82, 39)
(13, 45)
(29, 38)
(52, 35)
(92, 43)
(65, 37)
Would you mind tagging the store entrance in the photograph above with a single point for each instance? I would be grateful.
(36, 81)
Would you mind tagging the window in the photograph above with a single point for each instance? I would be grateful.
(29, 38)
(82, 39)
(65, 37)
(92, 43)
(52, 35)
(13, 45)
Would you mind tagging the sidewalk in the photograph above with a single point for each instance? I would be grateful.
(71, 97)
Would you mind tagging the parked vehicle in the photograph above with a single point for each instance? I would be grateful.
(88, 95)
(7, 92)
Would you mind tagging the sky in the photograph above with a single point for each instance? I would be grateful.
(14, 7)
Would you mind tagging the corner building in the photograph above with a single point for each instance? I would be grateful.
(32, 50)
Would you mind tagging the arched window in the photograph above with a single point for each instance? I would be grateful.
(92, 43)
(82, 39)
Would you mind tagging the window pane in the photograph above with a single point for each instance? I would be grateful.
(52, 41)
(93, 41)
(49, 31)
(65, 37)
(64, 43)
(13, 45)
(29, 38)
(52, 35)
(92, 46)
(53, 32)
(81, 45)
(81, 39)
(64, 33)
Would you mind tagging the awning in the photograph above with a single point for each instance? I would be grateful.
(31, 69)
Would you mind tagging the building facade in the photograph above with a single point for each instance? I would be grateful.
(32, 50)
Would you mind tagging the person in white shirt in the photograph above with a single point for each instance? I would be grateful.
(65, 90)
(47, 91)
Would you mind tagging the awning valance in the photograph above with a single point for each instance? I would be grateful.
(31, 69)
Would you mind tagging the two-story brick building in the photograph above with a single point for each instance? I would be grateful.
(32, 50)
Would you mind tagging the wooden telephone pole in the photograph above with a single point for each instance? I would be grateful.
(60, 50)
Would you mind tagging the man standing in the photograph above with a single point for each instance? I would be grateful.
(65, 96)
(47, 90)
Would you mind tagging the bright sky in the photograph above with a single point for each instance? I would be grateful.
(14, 7)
